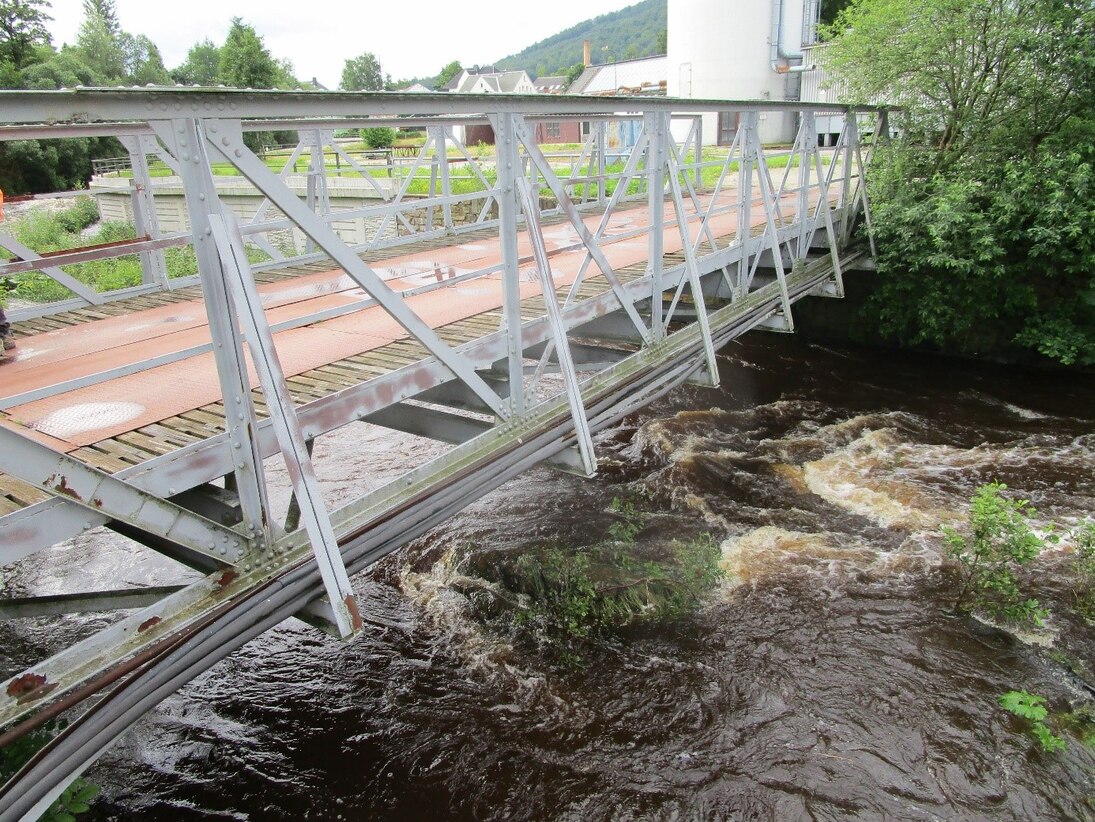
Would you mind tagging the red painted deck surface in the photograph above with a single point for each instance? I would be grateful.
(87, 415)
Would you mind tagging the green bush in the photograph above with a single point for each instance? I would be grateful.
(998, 544)
(566, 597)
(76, 798)
(77, 217)
(378, 137)
(1083, 592)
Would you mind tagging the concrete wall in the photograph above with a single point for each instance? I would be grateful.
(244, 200)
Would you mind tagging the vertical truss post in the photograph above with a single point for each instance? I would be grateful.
(693, 274)
(697, 176)
(287, 429)
(748, 127)
(509, 165)
(555, 319)
(808, 145)
(319, 200)
(824, 207)
(846, 177)
(602, 161)
(153, 265)
(654, 126)
(860, 189)
(185, 139)
(567, 207)
(441, 153)
(768, 195)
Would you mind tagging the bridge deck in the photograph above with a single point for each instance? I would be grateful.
(128, 420)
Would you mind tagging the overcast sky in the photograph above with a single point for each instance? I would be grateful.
(409, 38)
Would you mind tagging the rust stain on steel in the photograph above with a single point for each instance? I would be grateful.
(355, 614)
(59, 483)
(226, 579)
(148, 623)
(29, 686)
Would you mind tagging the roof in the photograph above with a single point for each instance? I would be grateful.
(554, 84)
(646, 75)
(503, 81)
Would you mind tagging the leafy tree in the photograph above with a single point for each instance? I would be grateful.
(22, 27)
(971, 74)
(105, 11)
(100, 47)
(64, 69)
(984, 214)
(245, 61)
(43, 165)
(574, 72)
(202, 65)
(447, 73)
(143, 63)
(831, 9)
(378, 137)
(285, 76)
(363, 74)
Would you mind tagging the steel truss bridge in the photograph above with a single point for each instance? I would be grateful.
(150, 410)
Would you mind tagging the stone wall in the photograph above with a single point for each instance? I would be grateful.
(463, 213)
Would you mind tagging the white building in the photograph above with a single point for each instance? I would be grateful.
(489, 81)
(739, 50)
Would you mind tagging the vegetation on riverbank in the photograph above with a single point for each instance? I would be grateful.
(983, 211)
(563, 598)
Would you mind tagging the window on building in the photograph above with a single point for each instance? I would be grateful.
(552, 129)
(728, 126)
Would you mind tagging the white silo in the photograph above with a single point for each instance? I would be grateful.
(739, 50)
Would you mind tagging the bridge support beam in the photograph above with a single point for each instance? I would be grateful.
(298, 462)
(184, 139)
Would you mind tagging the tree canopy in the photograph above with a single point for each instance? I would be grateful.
(202, 65)
(984, 213)
(245, 62)
(22, 27)
(363, 74)
(447, 73)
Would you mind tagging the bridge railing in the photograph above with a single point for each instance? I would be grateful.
(445, 188)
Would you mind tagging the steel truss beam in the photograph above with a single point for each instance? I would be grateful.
(296, 568)
(226, 138)
(101, 493)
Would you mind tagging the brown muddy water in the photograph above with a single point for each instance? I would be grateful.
(826, 679)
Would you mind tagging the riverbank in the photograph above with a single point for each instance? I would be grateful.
(853, 321)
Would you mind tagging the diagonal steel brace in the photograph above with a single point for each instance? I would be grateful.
(69, 479)
(290, 436)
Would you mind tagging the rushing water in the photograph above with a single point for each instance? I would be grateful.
(826, 679)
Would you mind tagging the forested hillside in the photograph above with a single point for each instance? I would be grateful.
(636, 31)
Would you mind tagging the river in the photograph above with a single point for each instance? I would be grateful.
(826, 678)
